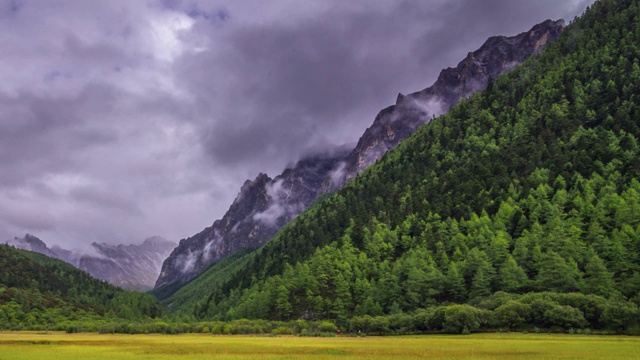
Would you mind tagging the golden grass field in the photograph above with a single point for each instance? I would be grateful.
(33, 345)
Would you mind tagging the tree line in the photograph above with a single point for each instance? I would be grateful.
(530, 187)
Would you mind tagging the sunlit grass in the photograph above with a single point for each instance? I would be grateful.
(31, 345)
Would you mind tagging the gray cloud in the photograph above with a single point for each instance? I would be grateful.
(279, 88)
(104, 200)
(121, 119)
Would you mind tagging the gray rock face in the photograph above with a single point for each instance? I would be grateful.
(32, 243)
(498, 55)
(264, 205)
(133, 267)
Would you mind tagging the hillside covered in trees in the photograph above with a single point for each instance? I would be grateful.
(520, 207)
(39, 292)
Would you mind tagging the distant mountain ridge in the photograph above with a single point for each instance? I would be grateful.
(32, 243)
(261, 208)
(495, 57)
(133, 267)
(41, 292)
(518, 208)
(264, 205)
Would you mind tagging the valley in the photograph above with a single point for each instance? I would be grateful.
(492, 215)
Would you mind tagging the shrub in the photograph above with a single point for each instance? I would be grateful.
(422, 319)
(378, 324)
(565, 316)
(538, 307)
(437, 319)
(513, 314)
(327, 327)
(457, 318)
(357, 323)
(282, 330)
(401, 323)
(619, 315)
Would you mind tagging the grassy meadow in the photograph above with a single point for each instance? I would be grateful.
(32, 345)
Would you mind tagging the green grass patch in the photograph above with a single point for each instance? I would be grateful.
(31, 345)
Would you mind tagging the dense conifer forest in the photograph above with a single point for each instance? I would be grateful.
(520, 207)
(39, 292)
(517, 210)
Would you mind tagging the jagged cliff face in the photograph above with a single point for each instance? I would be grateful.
(498, 55)
(262, 207)
(32, 243)
(265, 205)
(133, 267)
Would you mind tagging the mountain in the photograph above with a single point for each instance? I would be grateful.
(40, 292)
(496, 56)
(133, 267)
(32, 243)
(264, 205)
(519, 207)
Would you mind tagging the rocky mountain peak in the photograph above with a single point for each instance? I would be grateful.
(129, 266)
(31, 243)
(132, 266)
(32, 240)
(264, 205)
(496, 56)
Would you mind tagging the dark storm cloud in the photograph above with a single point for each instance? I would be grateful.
(124, 119)
(294, 85)
(277, 89)
(40, 134)
(104, 199)
(472, 21)
(25, 220)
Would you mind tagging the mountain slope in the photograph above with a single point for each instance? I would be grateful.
(265, 205)
(530, 188)
(37, 291)
(262, 207)
(133, 267)
(32, 243)
(496, 56)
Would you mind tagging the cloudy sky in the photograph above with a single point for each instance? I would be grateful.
(122, 119)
